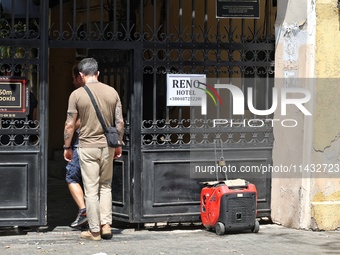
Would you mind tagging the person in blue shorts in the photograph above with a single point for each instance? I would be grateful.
(73, 173)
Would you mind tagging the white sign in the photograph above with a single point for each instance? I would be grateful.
(185, 89)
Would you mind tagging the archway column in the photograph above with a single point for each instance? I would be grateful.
(307, 57)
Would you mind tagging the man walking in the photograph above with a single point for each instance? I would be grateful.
(73, 173)
(96, 158)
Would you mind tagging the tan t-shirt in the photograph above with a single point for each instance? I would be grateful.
(91, 133)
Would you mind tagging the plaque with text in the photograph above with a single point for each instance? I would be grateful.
(185, 90)
(14, 97)
(238, 9)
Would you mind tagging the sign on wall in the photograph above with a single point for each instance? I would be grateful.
(14, 97)
(184, 89)
(238, 9)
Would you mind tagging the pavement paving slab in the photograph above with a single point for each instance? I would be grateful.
(271, 239)
(156, 239)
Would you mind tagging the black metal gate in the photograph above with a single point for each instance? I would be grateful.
(23, 142)
(139, 42)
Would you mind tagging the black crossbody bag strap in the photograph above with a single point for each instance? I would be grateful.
(99, 115)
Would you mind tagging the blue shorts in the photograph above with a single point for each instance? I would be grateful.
(73, 173)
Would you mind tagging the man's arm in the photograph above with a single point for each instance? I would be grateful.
(119, 121)
(70, 127)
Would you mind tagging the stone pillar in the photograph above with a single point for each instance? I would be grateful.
(325, 195)
(294, 65)
(308, 56)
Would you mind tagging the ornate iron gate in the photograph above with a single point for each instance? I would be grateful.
(139, 42)
(187, 38)
(23, 142)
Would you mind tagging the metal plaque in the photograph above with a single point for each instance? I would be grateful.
(238, 9)
(14, 97)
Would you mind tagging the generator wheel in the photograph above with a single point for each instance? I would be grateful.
(256, 227)
(219, 228)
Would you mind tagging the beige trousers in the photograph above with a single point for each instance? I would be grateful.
(97, 170)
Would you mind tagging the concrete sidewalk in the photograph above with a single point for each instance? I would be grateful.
(191, 239)
(58, 238)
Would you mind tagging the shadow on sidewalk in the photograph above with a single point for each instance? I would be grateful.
(61, 208)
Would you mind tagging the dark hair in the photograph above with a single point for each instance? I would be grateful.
(88, 66)
(75, 70)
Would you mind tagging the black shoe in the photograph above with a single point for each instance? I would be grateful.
(80, 220)
(84, 227)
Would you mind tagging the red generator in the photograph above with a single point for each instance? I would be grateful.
(229, 206)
